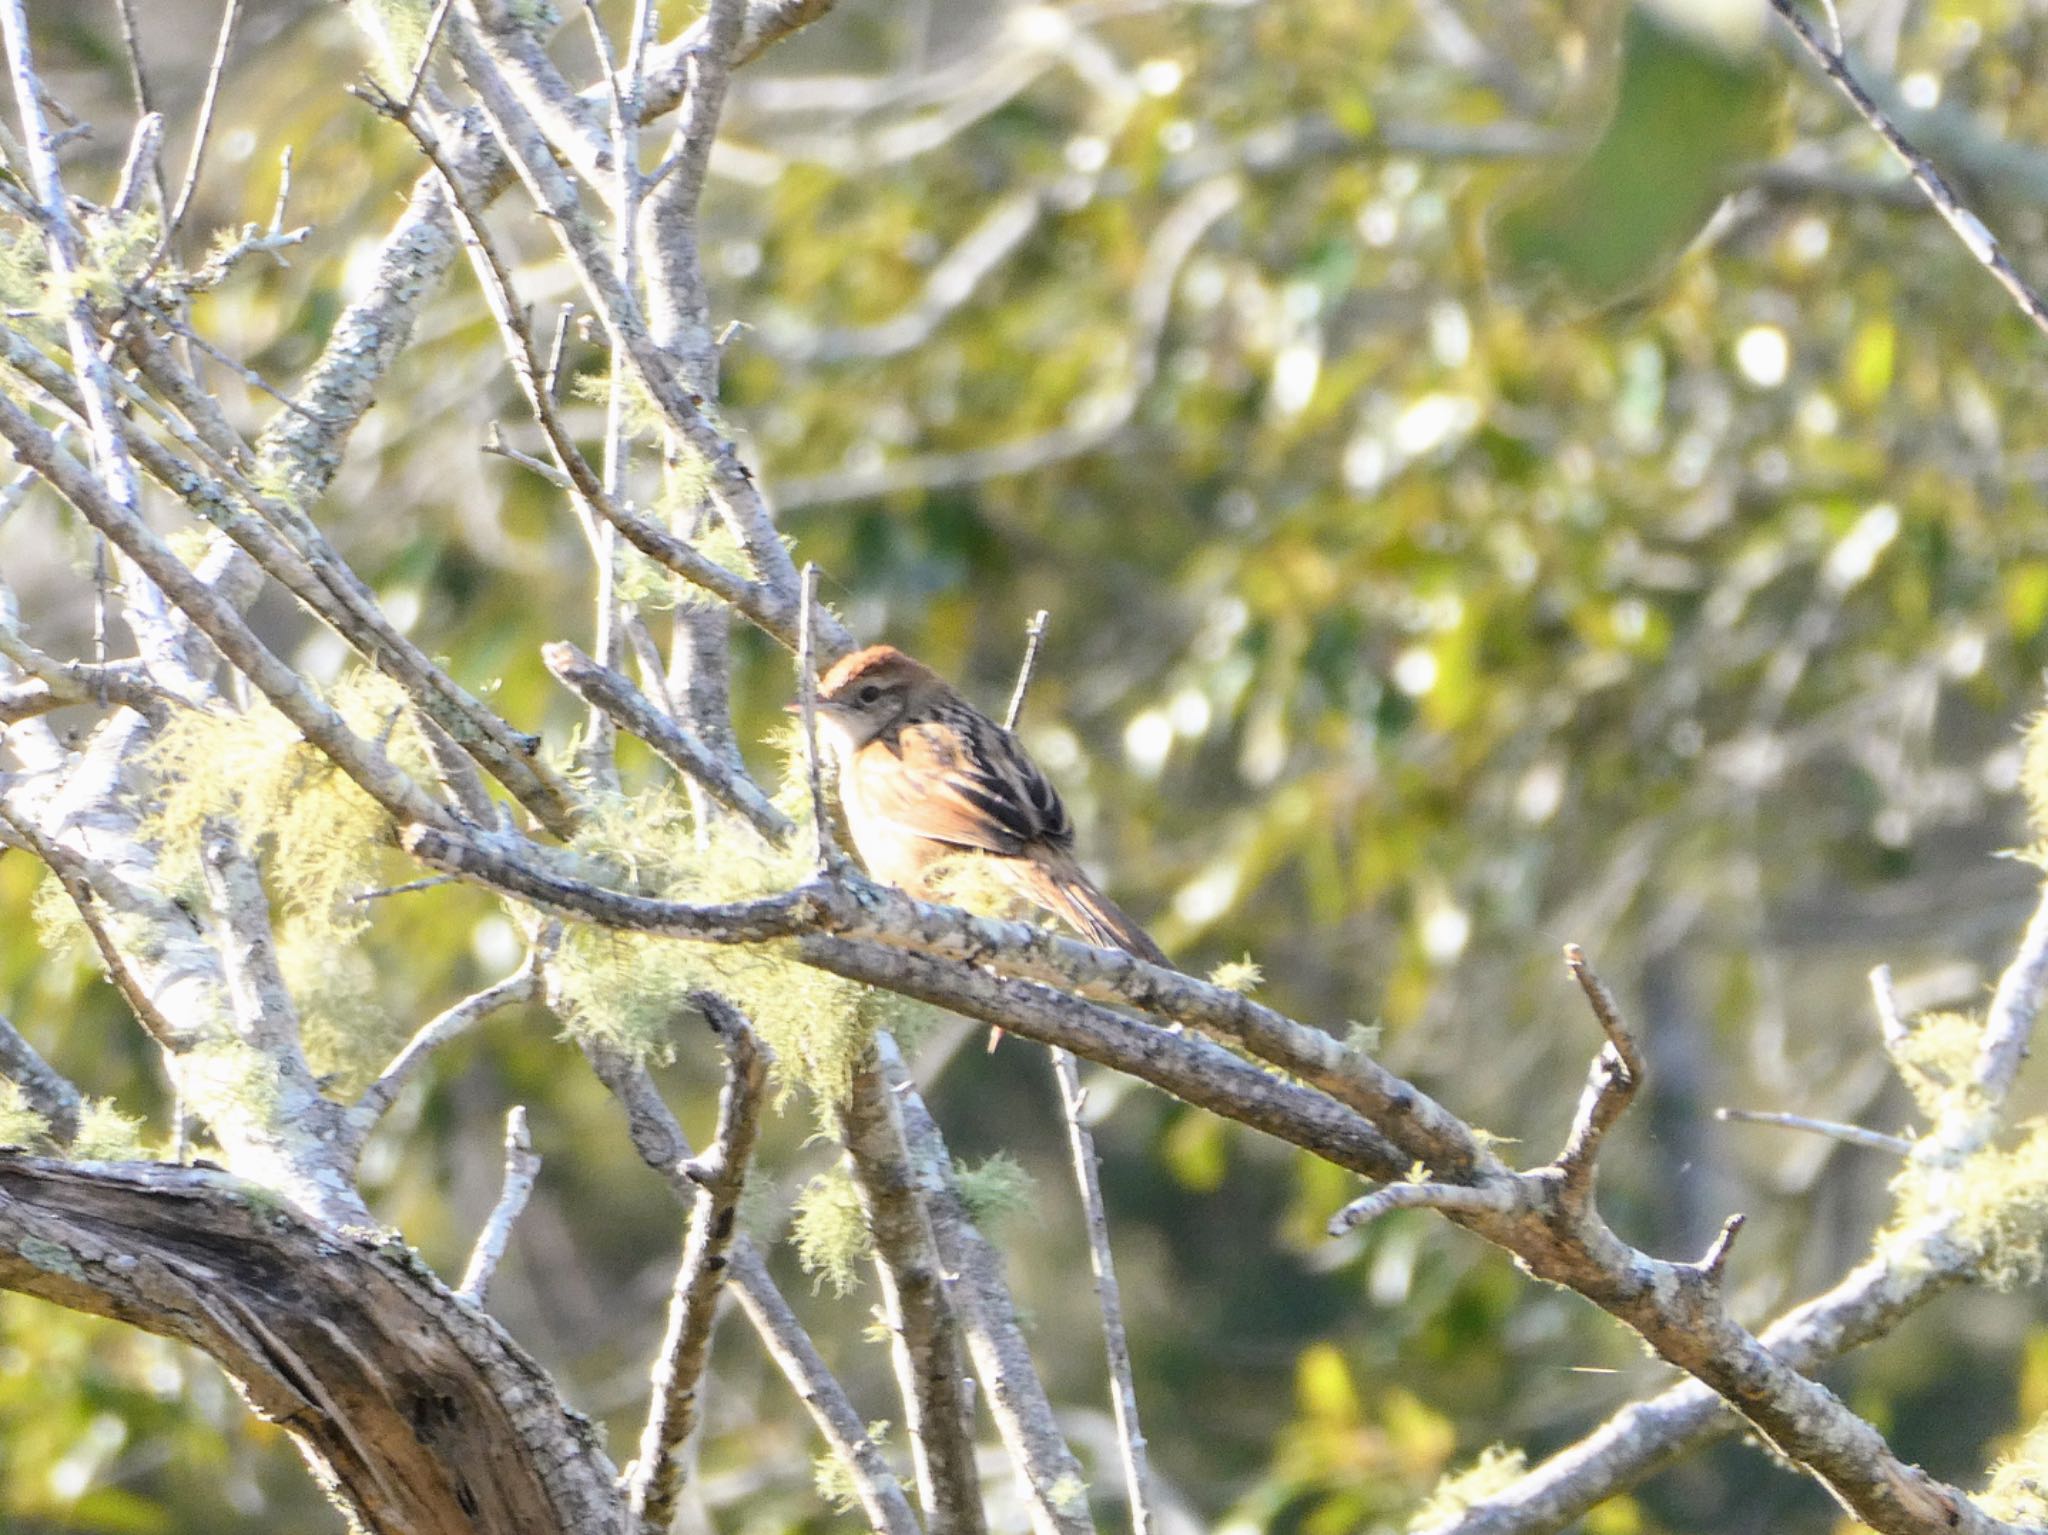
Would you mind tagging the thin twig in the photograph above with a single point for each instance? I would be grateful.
(613, 695)
(138, 79)
(143, 162)
(655, 1480)
(495, 444)
(1715, 1262)
(600, 740)
(409, 887)
(1455, 1198)
(1123, 1387)
(1123, 1390)
(419, 70)
(1977, 238)
(769, 609)
(807, 708)
(522, 1168)
(1853, 1135)
(1891, 1023)
(230, 14)
(17, 489)
(1612, 1080)
(376, 1100)
(1034, 636)
(75, 875)
(67, 256)
(2015, 1004)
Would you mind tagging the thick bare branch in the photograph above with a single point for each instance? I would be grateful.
(420, 1410)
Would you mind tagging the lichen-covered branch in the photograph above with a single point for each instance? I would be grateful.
(1550, 1222)
(43, 1088)
(1907, 1269)
(660, 1141)
(674, 1410)
(918, 1306)
(1002, 1358)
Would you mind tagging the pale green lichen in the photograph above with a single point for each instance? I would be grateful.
(1365, 1038)
(20, 1124)
(994, 1189)
(1069, 1494)
(1495, 1469)
(24, 271)
(51, 1258)
(59, 928)
(322, 840)
(978, 883)
(1996, 1204)
(1243, 976)
(118, 251)
(224, 1074)
(2018, 1492)
(105, 1134)
(835, 1480)
(629, 989)
(1937, 1059)
(830, 1229)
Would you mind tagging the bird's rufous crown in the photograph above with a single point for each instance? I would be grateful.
(876, 660)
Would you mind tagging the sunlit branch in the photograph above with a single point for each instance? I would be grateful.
(522, 1170)
(675, 1409)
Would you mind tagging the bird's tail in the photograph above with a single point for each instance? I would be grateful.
(1062, 887)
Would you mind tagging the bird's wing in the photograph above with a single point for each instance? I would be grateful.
(929, 780)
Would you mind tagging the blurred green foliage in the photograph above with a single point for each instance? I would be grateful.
(1567, 493)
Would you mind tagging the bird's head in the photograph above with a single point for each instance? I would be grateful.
(871, 691)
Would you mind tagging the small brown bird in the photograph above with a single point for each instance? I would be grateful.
(925, 777)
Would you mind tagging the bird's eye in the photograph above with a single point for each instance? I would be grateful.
(870, 694)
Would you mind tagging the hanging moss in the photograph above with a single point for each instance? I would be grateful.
(994, 1189)
(835, 1481)
(20, 1125)
(105, 1134)
(830, 1231)
(629, 989)
(322, 841)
